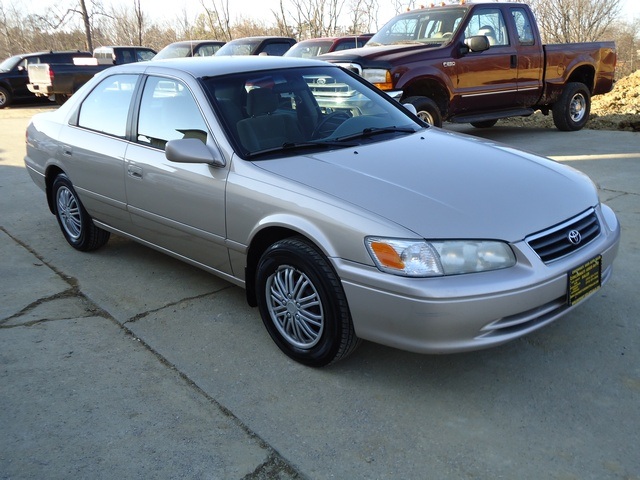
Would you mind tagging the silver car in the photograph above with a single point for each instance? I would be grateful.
(341, 224)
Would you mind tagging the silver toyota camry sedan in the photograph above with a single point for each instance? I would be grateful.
(342, 214)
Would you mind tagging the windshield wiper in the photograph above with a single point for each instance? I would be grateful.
(289, 146)
(369, 132)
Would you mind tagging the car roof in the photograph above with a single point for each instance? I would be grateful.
(211, 66)
(196, 42)
(260, 37)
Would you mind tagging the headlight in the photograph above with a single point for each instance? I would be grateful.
(380, 77)
(419, 258)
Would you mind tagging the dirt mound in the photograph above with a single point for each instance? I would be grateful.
(616, 110)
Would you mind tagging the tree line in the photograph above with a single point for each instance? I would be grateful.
(86, 24)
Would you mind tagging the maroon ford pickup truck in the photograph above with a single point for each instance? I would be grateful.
(477, 63)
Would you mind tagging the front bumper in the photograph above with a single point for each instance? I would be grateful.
(473, 311)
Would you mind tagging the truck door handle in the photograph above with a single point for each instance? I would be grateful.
(514, 61)
(67, 151)
(134, 171)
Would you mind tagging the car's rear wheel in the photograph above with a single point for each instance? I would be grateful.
(5, 97)
(303, 305)
(76, 224)
(571, 111)
(427, 110)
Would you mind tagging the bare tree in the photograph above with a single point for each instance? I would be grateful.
(314, 18)
(566, 21)
(364, 14)
(218, 18)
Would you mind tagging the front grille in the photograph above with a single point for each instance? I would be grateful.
(556, 243)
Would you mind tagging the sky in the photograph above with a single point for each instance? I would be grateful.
(257, 9)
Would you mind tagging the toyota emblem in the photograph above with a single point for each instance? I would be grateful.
(574, 237)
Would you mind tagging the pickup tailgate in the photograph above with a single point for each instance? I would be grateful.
(39, 74)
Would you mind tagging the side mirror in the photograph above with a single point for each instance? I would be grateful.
(477, 43)
(192, 150)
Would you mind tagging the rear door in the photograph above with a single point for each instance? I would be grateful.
(529, 57)
(93, 149)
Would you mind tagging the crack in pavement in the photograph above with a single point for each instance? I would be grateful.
(274, 467)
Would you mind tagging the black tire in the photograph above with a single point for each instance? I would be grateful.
(427, 110)
(76, 224)
(5, 98)
(571, 111)
(484, 124)
(317, 330)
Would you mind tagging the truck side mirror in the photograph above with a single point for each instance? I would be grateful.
(477, 43)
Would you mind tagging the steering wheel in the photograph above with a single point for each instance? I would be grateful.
(329, 123)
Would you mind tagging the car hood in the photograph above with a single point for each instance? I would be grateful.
(378, 53)
(445, 185)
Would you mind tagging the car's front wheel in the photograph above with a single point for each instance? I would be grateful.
(76, 224)
(5, 97)
(303, 305)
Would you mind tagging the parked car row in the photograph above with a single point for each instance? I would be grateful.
(57, 75)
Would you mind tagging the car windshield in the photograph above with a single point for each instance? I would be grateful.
(309, 49)
(431, 26)
(289, 110)
(9, 63)
(174, 51)
(244, 47)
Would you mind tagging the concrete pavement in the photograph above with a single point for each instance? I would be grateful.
(126, 363)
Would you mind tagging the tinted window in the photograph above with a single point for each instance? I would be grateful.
(206, 50)
(143, 55)
(106, 108)
(277, 49)
(168, 112)
(347, 44)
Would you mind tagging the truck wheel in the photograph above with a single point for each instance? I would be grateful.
(427, 109)
(5, 97)
(571, 111)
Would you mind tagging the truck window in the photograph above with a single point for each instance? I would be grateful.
(424, 27)
(488, 22)
(523, 26)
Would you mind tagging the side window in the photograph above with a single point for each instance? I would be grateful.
(488, 22)
(168, 112)
(346, 45)
(144, 55)
(127, 56)
(276, 49)
(206, 50)
(523, 26)
(106, 108)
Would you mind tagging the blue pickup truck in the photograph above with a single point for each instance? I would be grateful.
(14, 75)
(59, 80)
